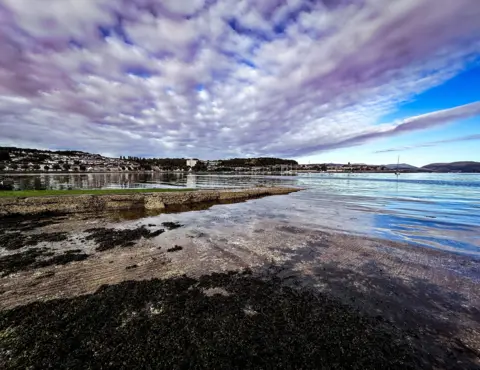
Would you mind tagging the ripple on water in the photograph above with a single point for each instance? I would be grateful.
(435, 210)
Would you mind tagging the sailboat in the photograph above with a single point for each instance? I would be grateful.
(397, 171)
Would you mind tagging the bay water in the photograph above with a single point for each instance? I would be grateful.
(439, 211)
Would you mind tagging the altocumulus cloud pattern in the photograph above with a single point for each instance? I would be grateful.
(225, 78)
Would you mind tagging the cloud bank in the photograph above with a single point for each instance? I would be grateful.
(428, 144)
(213, 78)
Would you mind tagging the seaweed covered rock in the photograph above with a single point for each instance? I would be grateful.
(112, 238)
(27, 222)
(175, 249)
(170, 324)
(171, 225)
(18, 240)
(37, 258)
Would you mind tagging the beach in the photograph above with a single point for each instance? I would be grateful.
(207, 289)
(223, 184)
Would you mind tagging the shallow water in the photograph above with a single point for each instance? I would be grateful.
(435, 210)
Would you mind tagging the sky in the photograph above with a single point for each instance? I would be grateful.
(360, 81)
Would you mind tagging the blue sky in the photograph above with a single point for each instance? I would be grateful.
(318, 81)
(463, 88)
(446, 152)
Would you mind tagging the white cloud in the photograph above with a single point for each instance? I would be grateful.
(178, 78)
(183, 7)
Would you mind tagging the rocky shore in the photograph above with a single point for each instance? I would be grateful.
(147, 201)
(188, 291)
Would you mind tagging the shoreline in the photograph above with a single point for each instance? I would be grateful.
(324, 247)
(358, 294)
(148, 200)
(213, 173)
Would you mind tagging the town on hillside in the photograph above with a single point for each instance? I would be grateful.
(33, 160)
(23, 160)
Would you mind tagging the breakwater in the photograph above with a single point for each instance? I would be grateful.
(148, 201)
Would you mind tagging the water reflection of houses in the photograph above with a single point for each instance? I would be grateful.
(191, 181)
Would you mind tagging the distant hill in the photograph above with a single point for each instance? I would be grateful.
(26, 159)
(453, 167)
(402, 166)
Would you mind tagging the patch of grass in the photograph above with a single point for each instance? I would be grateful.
(42, 193)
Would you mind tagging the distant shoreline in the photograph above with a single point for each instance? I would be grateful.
(300, 172)
(79, 172)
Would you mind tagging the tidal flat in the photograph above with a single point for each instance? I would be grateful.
(198, 290)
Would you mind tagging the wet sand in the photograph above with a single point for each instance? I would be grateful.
(154, 293)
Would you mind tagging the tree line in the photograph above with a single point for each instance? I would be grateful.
(12, 149)
(164, 163)
(257, 162)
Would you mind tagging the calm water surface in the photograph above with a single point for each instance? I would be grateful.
(435, 210)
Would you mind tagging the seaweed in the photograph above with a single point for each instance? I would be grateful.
(175, 249)
(18, 240)
(171, 225)
(21, 261)
(12, 241)
(62, 259)
(35, 258)
(112, 238)
(173, 324)
(21, 222)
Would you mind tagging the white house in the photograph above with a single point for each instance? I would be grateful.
(192, 162)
